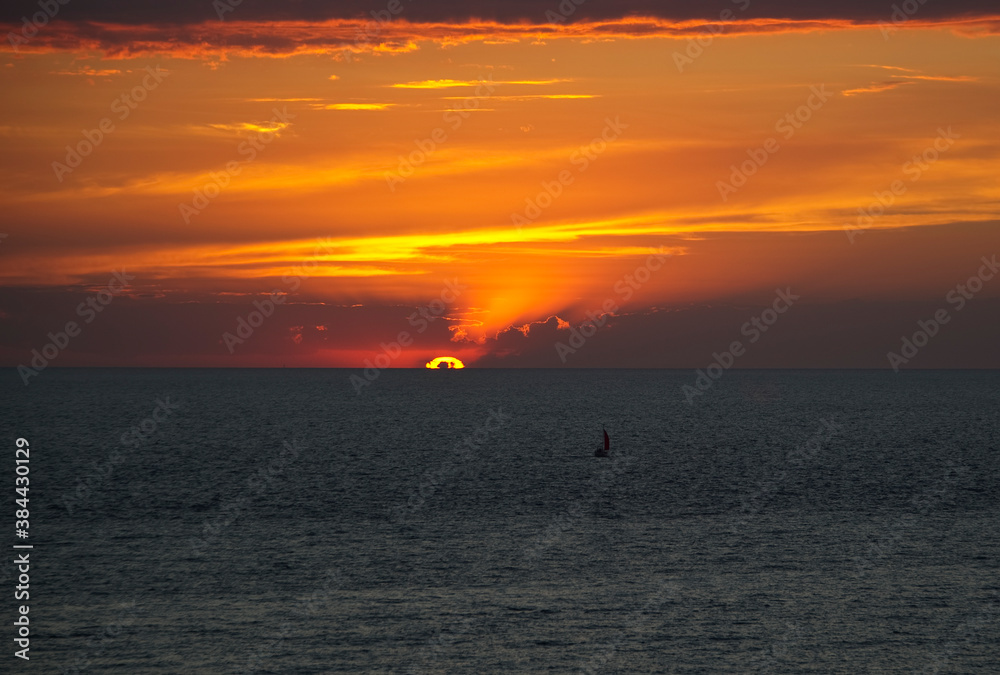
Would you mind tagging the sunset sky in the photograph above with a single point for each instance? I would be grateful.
(482, 177)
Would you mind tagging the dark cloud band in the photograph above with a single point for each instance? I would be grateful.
(507, 11)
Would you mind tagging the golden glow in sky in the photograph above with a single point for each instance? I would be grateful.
(445, 362)
(538, 166)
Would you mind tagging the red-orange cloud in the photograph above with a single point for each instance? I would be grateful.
(343, 37)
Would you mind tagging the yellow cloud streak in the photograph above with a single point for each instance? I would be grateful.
(900, 80)
(273, 127)
(451, 84)
(322, 271)
(275, 259)
(873, 88)
(261, 177)
(357, 106)
(529, 97)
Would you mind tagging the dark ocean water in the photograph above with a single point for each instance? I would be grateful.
(236, 521)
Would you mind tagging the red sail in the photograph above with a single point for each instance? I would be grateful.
(607, 441)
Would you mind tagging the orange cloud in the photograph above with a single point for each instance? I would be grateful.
(256, 127)
(87, 71)
(873, 88)
(339, 37)
(940, 78)
(449, 84)
(532, 97)
(900, 80)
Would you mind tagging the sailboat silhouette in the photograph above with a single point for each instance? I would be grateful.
(607, 446)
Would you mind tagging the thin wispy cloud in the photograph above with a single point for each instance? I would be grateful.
(876, 88)
(899, 80)
(255, 127)
(529, 97)
(282, 100)
(899, 68)
(463, 110)
(90, 72)
(356, 106)
(451, 84)
(940, 78)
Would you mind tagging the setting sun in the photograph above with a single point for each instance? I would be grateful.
(338, 187)
(727, 272)
(445, 362)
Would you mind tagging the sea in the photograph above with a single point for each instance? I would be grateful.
(457, 521)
